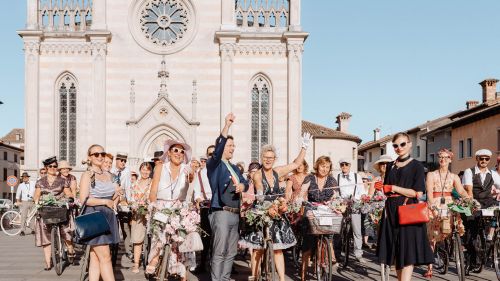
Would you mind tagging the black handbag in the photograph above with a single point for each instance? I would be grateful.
(91, 225)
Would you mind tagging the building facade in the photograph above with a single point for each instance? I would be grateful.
(129, 74)
(10, 158)
(336, 143)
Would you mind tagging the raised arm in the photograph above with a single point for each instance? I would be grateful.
(289, 189)
(220, 143)
(286, 169)
(153, 192)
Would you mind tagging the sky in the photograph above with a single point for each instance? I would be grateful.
(392, 64)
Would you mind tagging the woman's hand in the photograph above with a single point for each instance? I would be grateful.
(109, 203)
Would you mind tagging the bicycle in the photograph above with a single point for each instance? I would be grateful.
(476, 255)
(54, 217)
(346, 236)
(453, 247)
(11, 221)
(267, 267)
(496, 245)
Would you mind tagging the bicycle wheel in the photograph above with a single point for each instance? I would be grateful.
(11, 223)
(324, 265)
(297, 252)
(478, 258)
(346, 243)
(145, 251)
(441, 259)
(85, 261)
(267, 268)
(163, 272)
(496, 256)
(57, 250)
(459, 256)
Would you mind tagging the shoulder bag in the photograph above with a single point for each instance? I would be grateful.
(417, 213)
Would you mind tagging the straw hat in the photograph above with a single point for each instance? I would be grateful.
(63, 164)
(382, 159)
(170, 143)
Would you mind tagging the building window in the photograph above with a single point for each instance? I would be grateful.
(469, 147)
(461, 149)
(15, 173)
(260, 115)
(432, 158)
(370, 156)
(431, 139)
(418, 151)
(262, 14)
(5, 156)
(382, 151)
(67, 119)
(4, 174)
(15, 157)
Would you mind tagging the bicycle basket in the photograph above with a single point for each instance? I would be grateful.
(53, 215)
(324, 223)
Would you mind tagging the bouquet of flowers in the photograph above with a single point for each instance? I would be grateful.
(50, 199)
(173, 224)
(139, 208)
(374, 209)
(466, 206)
(264, 213)
(339, 205)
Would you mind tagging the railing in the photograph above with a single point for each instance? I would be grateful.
(262, 14)
(65, 15)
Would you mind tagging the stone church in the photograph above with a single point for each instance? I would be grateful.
(129, 74)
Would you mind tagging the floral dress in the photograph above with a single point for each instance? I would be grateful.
(280, 230)
(434, 226)
(139, 200)
(42, 231)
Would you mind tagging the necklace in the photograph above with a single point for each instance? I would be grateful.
(442, 186)
(400, 159)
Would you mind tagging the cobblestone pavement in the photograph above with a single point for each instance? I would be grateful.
(21, 260)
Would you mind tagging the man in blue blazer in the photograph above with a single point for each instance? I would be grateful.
(226, 183)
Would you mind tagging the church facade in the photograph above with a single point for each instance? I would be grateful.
(129, 74)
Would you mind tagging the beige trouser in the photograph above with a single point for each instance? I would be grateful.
(25, 209)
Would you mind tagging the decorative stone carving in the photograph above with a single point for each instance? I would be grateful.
(163, 26)
(265, 14)
(99, 49)
(32, 47)
(83, 48)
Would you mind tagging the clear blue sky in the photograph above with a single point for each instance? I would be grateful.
(393, 64)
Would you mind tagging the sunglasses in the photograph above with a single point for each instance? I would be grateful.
(444, 157)
(177, 150)
(395, 145)
(344, 164)
(122, 160)
(97, 154)
(484, 158)
(52, 166)
(43, 173)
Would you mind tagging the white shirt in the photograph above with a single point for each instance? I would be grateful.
(206, 185)
(125, 181)
(467, 179)
(169, 189)
(347, 185)
(25, 191)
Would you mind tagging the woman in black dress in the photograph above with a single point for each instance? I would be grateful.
(405, 245)
(317, 188)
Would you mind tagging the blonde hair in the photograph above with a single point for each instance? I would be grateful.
(401, 134)
(320, 161)
(268, 148)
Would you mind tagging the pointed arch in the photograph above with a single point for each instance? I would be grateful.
(260, 97)
(66, 91)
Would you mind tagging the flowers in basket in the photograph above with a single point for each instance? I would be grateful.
(466, 206)
(139, 208)
(49, 199)
(339, 205)
(173, 224)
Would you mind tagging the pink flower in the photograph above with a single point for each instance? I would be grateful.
(169, 229)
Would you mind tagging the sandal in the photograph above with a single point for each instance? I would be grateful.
(428, 274)
(135, 268)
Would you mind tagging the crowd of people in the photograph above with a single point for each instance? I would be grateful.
(221, 191)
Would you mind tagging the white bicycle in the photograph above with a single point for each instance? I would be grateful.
(11, 221)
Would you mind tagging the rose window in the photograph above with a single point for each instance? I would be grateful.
(164, 22)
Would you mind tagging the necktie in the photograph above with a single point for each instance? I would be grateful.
(346, 177)
(119, 177)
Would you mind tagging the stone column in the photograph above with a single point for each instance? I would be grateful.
(31, 82)
(227, 46)
(32, 14)
(228, 15)
(295, 48)
(99, 46)
(294, 20)
(99, 15)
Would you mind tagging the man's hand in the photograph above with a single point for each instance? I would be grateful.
(230, 119)
(240, 187)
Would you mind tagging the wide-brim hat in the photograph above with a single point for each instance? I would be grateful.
(25, 175)
(63, 164)
(170, 143)
(382, 159)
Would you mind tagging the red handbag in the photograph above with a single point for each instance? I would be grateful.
(413, 213)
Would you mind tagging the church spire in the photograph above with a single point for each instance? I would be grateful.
(163, 75)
